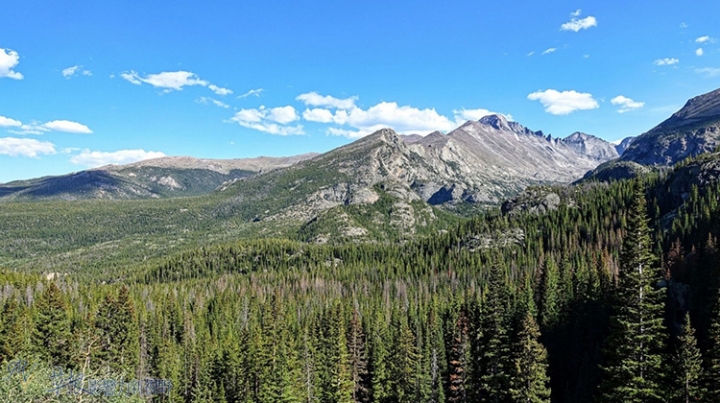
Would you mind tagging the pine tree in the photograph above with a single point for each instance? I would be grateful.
(458, 361)
(119, 335)
(51, 339)
(358, 361)
(633, 352)
(491, 383)
(686, 367)
(530, 380)
(712, 358)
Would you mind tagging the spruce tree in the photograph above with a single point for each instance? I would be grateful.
(686, 367)
(119, 335)
(51, 339)
(458, 361)
(491, 382)
(711, 377)
(633, 352)
(530, 380)
(358, 360)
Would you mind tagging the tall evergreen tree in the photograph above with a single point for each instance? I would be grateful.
(686, 367)
(119, 335)
(362, 392)
(491, 382)
(51, 339)
(634, 363)
(458, 360)
(530, 380)
(711, 374)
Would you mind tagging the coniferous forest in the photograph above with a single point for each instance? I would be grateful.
(607, 299)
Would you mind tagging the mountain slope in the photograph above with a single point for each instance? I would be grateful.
(156, 178)
(692, 130)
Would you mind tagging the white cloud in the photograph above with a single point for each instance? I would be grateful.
(704, 39)
(315, 99)
(172, 80)
(31, 148)
(699, 52)
(709, 71)
(403, 119)
(269, 120)
(95, 159)
(565, 102)
(131, 77)
(576, 24)
(255, 92)
(576, 13)
(668, 61)
(318, 115)
(7, 122)
(70, 71)
(282, 115)
(360, 122)
(219, 90)
(531, 53)
(550, 50)
(8, 60)
(208, 100)
(626, 104)
(67, 126)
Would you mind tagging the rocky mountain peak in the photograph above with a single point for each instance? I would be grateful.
(706, 106)
(589, 145)
(499, 122)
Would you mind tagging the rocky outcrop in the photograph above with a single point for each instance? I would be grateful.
(693, 130)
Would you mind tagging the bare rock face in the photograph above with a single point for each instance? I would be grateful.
(591, 146)
(693, 130)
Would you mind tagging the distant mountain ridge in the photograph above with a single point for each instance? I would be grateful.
(149, 179)
(693, 130)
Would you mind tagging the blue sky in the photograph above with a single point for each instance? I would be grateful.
(85, 83)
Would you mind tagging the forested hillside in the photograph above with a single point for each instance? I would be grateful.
(612, 296)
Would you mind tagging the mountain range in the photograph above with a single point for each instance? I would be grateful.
(693, 130)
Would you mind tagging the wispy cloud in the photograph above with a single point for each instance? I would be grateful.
(219, 90)
(564, 102)
(208, 100)
(255, 92)
(699, 52)
(73, 70)
(8, 60)
(549, 50)
(576, 13)
(577, 24)
(66, 126)
(173, 81)
(315, 99)
(668, 61)
(270, 120)
(709, 71)
(31, 148)
(704, 39)
(626, 104)
(95, 159)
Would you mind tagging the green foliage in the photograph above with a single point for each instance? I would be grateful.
(634, 349)
(686, 367)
